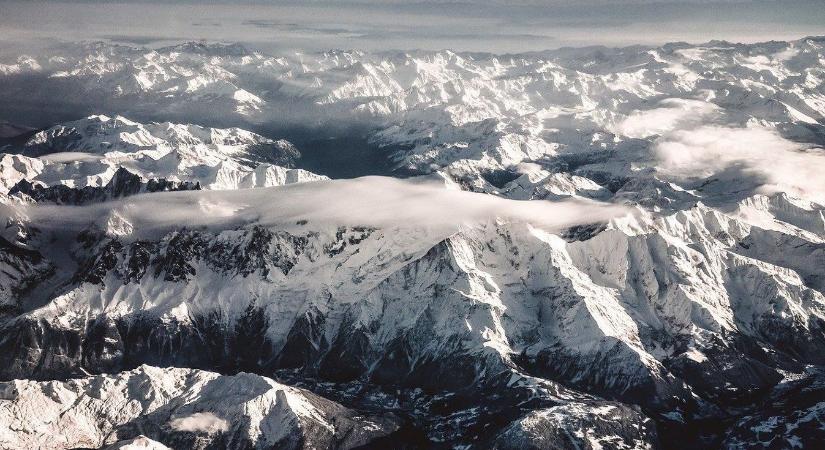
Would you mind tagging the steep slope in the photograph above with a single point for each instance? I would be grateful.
(689, 315)
(90, 153)
(182, 408)
(603, 426)
(138, 443)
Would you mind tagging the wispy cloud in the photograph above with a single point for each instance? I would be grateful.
(370, 201)
(694, 141)
(202, 422)
(780, 164)
(672, 114)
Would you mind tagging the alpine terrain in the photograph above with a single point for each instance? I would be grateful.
(206, 246)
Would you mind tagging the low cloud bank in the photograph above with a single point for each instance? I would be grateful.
(694, 142)
(381, 202)
(672, 114)
(762, 153)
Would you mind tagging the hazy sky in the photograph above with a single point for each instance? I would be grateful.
(481, 25)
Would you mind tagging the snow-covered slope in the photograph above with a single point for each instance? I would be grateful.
(684, 314)
(181, 408)
(577, 425)
(89, 152)
(139, 443)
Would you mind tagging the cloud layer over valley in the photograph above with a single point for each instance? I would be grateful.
(380, 202)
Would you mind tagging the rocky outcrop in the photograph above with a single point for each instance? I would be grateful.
(178, 408)
(109, 157)
(620, 313)
(585, 426)
(122, 184)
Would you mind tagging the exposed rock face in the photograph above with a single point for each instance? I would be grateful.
(122, 184)
(101, 156)
(21, 269)
(585, 426)
(790, 417)
(183, 408)
(622, 314)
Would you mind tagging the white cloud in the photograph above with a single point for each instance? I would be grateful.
(672, 114)
(202, 422)
(528, 168)
(782, 164)
(69, 157)
(370, 201)
(693, 144)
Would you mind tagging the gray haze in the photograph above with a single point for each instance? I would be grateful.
(483, 25)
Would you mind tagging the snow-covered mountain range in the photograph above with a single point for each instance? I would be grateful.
(591, 248)
(189, 408)
(88, 153)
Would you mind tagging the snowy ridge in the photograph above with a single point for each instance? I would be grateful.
(138, 443)
(185, 408)
(553, 427)
(644, 310)
(465, 114)
(88, 153)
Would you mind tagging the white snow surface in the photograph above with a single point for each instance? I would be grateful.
(138, 443)
(89, 151)
(89, 412)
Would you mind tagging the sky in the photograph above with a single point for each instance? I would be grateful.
(480, 25)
